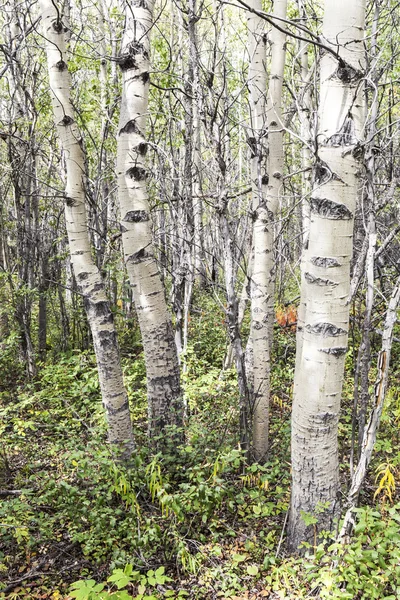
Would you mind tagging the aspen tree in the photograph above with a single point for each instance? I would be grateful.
(87, 275)
(162, 367)
(320, 359)
(266, 184)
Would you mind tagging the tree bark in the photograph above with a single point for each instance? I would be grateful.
(320, 362)
(266, 190)
(162, 367)
(90, 283)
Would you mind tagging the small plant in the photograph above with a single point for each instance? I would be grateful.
(122, 578)
(387, 482)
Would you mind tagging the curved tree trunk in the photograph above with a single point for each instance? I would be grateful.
(87, 275)
(162, 367)
(320, 361)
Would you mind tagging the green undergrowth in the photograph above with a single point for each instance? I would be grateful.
(77, 513)
(193, 521)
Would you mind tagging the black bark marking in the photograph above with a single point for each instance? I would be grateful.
(137, 173)
(325, 261)
(329, 209)
(136, 216)
(252, 142)
(57, 26)
(145, 77)
(69, 201)
(130, 127)
(322, 173)
(128, 60)
(346, 135)
(327, 417)
(310, 278)
(61, 65)
(82, 276)
(116, 411)
(98, 287)
(166, 381)
(139, 256)
(98, 309)
(346, 73)
(325, 329)
(335, 351)
(359, 151)
(106, 339)
(265, 179)
(142, 148)
(66, 120)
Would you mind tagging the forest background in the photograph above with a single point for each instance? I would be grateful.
(180, 184)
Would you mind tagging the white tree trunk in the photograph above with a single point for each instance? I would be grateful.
(162, 367)
(87, 275)
(266, 189)
(320, 361)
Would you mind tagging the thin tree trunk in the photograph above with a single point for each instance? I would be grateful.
(233, 321)
(371, 431)
(266, 191)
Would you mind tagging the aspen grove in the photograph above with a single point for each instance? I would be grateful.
(199, 299)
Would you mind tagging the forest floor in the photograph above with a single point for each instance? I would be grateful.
(194, 521)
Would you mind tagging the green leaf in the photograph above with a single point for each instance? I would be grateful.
(121, 596)
(252, 570)
(116, 575)
(238, 558)
(308, 519)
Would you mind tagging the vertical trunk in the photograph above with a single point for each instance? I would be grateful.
(162, 367)
(320, 363)
(195, 92)
(305, 132)
(371, 431)
(87, 275)
(22, 110)
(266, 190)
(364, 355)
(233, 321)
(42, 319)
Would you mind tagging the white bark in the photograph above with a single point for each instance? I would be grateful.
(162, 367)
(87, 275)
(305, 133)
(320, 360)
(266, 190)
